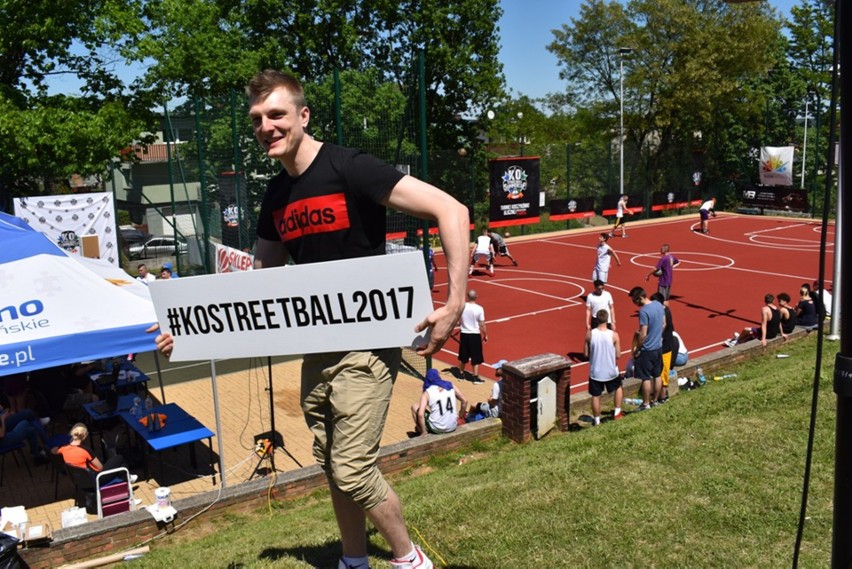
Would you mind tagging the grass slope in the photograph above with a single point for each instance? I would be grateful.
(710, 479)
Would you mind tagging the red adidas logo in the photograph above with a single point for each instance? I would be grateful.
(321, 214)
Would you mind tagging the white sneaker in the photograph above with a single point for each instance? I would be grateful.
(45, 421)
(470, 271)
(491, 271)
(420, 561)
(133, 478)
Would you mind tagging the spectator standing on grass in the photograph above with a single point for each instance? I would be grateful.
(648, 355)
(707, 209)
(437, 411)
(165, 274)
(669, 347)
(500, 247)
(603, 349)
(620, 210)
(664, 271)
(345, 395)
(473, 334)
(788, 314)
(599, 299)
(605, 254)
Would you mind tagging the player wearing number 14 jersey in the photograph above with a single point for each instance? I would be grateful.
(437, 411)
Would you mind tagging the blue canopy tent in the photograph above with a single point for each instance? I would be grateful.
(55, 311)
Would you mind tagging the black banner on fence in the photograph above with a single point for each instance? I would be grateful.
(514, 190)
(572, 208)
(635, 203)
(231, 205)
(775, 198)
(661, 201)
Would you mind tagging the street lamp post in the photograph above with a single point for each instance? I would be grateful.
(622, 51)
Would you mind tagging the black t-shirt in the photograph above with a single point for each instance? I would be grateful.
(333, 210)
(807, 313)
(788, 325)
(669, 343)
(773, 327)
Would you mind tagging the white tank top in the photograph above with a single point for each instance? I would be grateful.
(602, 356)
(442, 410)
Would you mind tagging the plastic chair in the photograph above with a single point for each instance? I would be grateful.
(56, 460)
(12, 449)
(84, 483)
(113, 496)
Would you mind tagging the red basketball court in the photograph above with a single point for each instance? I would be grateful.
(718, 288)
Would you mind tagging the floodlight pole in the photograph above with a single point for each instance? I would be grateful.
(841, 545)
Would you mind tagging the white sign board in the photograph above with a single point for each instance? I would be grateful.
(81, 224)
(229, 260)
(776, 166)
(357, 304)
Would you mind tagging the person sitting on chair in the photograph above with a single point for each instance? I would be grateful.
(76, 455)
(16, 428)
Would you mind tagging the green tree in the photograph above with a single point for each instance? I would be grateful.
(810, 53)
(203, 47)
(690, 62)
(44, 139)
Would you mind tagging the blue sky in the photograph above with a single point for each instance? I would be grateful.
(525, 31)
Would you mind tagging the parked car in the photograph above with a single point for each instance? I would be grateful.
(158, 247)
(132, 235)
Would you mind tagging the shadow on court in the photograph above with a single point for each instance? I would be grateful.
(713, 313)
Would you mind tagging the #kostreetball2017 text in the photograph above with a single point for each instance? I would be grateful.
(292, 311)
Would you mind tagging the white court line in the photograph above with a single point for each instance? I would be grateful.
(750, 243)
(535, 312)
(773, 229)
(562, 280)
(783, 240)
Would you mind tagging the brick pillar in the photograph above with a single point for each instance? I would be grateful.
(518, 377)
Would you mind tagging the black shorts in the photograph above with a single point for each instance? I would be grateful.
(503, 250)
(596, 388)
(648, 365)
(705, 214)
(470, 348)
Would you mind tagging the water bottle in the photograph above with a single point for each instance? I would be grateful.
(725, 376)
(633, 400)
(136, 409)
(149, 404)
(701, 379)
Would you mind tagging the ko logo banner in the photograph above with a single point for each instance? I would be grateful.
(357, 304)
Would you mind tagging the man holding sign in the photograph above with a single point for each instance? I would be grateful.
(328, 203)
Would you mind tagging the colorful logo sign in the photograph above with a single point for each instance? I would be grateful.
(515, 182)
